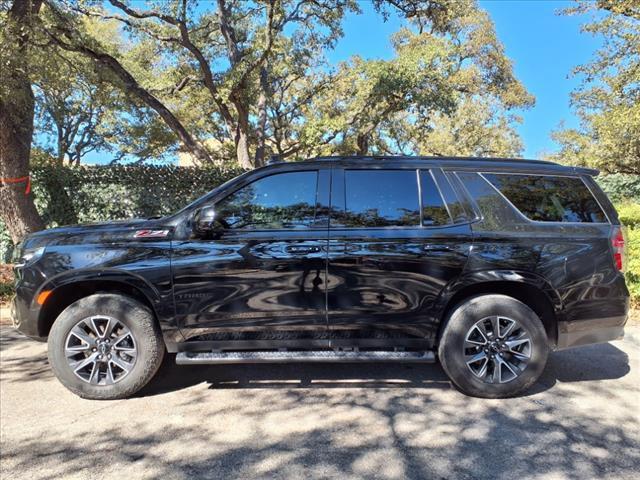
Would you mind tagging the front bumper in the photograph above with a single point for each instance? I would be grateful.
(25, 319)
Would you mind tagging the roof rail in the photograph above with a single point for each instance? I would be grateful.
(440, 158)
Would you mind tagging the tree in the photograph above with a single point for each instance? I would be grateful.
(72, 106)
(607, 102)
(65, 30)
(230, 47)
(17, 209)
(450, 80)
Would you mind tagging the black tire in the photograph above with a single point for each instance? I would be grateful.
(141, 323)
(460, 321)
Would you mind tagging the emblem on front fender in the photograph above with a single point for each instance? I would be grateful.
(151, 234)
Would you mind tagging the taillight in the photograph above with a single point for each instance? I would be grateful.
(617, 244)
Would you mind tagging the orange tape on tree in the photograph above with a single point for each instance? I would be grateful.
(9, 181)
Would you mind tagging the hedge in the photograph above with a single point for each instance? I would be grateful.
(96, 193)
(66, 195)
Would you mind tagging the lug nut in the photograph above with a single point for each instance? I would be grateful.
(94, 349)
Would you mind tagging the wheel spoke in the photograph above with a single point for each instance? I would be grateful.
(105, 331)
(120, 363)
(479, 358)
(506, 349)
(509, 328)
(497, 371)
(495, 326)
(481, 331)
(124, 348)
(501, 362)
(81, 335)
(511, 344)
(94, 376)
(83, 363)
(101, 350)
(110, 376)
(75, 349)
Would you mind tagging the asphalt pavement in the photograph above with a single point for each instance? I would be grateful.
(580, 421)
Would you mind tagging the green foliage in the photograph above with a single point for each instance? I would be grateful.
(620, 187)
(448, 90)
(6, 291)
(608, 101)
(117, 192)
(629, 214)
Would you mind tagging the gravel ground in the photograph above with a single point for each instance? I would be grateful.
(580, 421)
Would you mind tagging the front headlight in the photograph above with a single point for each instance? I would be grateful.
(29, 256)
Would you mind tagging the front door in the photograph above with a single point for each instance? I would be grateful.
(263, 278)
(394, 244)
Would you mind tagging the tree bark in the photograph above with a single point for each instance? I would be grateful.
(241, 138)
(362, 141)
(261, 130)
(17, 104)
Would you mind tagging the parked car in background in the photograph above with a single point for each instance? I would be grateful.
(485, 264)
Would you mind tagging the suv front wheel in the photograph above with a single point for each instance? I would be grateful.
(105, 346)
(493, 346)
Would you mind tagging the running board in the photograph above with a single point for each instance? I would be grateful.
(214, 358)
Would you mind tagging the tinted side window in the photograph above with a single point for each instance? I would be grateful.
(381, 198)
(548, 198)
(283, 200)
(434, 211)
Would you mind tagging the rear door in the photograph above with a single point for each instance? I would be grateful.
(394, 244)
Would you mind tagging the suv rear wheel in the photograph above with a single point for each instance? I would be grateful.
(493, 346)
(105, 346)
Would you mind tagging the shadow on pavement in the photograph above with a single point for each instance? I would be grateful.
(596, 362)
(576, 365)
(328, 421)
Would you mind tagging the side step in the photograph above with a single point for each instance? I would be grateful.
(214, 358)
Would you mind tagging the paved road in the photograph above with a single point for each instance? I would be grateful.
(582, 420)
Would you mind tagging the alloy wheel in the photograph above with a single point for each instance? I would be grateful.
(497, 349)
(100, 350)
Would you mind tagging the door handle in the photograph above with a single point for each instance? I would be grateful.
(302, 250)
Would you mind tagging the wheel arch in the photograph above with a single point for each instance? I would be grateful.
(531, 290)
(65, 291)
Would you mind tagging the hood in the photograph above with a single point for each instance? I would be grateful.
(104, 232)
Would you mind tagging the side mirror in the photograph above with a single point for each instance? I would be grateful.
(205, 222)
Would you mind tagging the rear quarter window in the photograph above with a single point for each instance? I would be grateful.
(545, 198)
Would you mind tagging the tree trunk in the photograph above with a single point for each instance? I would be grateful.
(242, 148)
(17, 103)
(242, 137)
(362, 141)
(261, 132)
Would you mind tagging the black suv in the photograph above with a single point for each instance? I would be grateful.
(485, 263)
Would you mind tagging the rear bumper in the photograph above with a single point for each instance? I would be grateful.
(586, 332)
